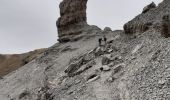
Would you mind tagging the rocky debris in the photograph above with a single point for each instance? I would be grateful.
(44, 94)
(73, 18)
(85, 67)
(162, 83)
(165, 31)
(75, 65)
(105, 60)
(149, 7)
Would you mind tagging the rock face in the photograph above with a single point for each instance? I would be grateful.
(149, 7)
(151, 17)
(73, 19)
(165, 28)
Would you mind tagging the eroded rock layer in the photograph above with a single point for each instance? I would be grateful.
(72, 20)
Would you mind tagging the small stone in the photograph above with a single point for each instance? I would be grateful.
(110, 50)
(110, 79)
(105, 68)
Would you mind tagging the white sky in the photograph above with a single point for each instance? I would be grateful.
(26, 25)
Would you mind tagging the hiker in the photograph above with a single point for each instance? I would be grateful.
(100, 41)
(105, 39)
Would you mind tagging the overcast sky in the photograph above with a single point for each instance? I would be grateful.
(31, 24)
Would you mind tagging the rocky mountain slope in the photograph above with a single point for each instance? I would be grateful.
(132, 65)
(9, 63)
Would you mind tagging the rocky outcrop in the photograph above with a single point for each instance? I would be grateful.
(149, 7)
(150, 16)
(134, 27)
(73, 19)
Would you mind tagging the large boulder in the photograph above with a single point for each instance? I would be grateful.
(73, 19)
